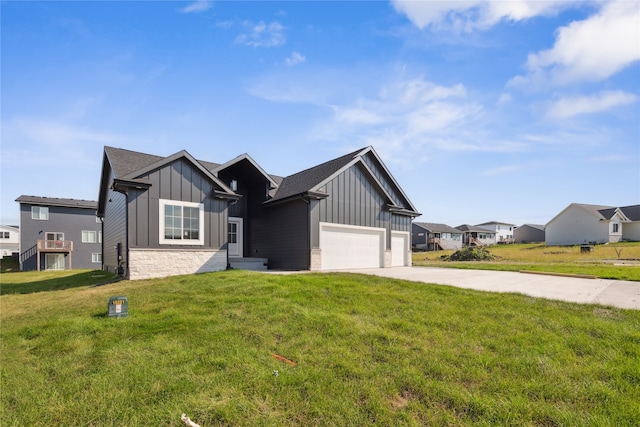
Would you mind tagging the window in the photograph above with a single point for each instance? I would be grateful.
(4, 235)
(615, 228)
(88, 236)
(99, 236)
(39, 212)
(181, 223)
(96, 257)
(234, 185)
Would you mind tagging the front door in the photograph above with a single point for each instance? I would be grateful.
(234, 247)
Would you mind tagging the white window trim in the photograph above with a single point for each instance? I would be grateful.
(96, 257)
(90, 232)
(163, 241)
(40, 209)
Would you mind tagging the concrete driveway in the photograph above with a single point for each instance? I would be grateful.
(617, 293)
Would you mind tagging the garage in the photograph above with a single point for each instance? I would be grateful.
(346, 246)
(399, 248)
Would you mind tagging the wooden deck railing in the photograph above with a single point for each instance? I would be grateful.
(55, 246)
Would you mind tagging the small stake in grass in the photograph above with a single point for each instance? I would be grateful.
(284, 359)
(188, 421)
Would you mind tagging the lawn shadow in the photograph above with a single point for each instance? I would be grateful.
(84, 278)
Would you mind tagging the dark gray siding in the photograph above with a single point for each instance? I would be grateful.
(281, 234)
(415, 238)
(354, 200)
(179, 181)
(68, 220)
(114, 226)
(382, 176)
(528, 234)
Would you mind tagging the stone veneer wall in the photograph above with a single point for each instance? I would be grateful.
(150, 263)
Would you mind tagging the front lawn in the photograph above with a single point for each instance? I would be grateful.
(367, 351)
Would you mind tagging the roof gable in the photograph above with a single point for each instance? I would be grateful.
(593, 210)
(245, 157)
(311, 181)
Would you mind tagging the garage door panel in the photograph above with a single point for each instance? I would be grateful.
(399, 249)
(344, 247)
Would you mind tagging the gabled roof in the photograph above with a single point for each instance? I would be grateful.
(437, 228)
(131, 165)
(247, 158)
(310, 181)
(494, 222)
(594, 210)
(55, 201)
(474, 229)
(536, 226)
(627, 213)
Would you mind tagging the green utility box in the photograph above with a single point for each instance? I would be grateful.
(118, 307)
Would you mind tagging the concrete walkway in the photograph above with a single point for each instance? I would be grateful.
(617, 293)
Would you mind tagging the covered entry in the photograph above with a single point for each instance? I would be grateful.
(347, 246)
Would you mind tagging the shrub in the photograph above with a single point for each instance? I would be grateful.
(472, 254)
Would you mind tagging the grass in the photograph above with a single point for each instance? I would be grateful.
(369, 351)
(603, 262)
(39, 281)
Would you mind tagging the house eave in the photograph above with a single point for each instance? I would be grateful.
(306, 196)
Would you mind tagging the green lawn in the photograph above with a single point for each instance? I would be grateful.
(368, 351)
(619, 261)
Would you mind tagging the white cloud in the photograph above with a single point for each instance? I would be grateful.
(573, 106)
(467, 16)
(262, 35)
(592, 49)
(197, 7)
(295, 59)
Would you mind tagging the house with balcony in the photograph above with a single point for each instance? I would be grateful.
(59, 234)
(435, 237)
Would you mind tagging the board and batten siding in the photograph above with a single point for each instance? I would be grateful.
(354, 200)
(179, 181)
(114, 229)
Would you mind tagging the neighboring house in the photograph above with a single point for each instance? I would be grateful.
(503, 230)
(434, 237)
(177, 215)
(59, 234)
(529, 233)
(476, 236)
(581, 223)
(9, 240)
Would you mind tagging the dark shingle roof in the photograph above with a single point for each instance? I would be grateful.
(304, 181)
(124, 162)
(438, 228)
(467, 227)
(631, 212)
(55, 201)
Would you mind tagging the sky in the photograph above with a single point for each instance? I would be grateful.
(481, 110)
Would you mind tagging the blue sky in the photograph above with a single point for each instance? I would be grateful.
(482, 111)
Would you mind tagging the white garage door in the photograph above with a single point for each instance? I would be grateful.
(343, 247)
(399, 249)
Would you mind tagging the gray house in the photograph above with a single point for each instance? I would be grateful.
(529, 233)
(178, 215)
(59, 234)
(434, 237)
